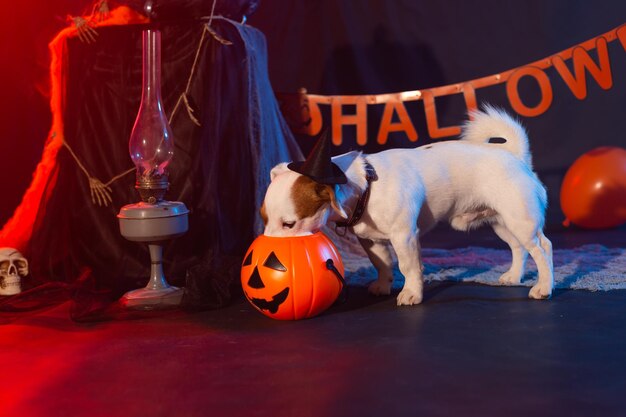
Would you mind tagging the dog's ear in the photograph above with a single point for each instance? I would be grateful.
(278, 169)
(327, 194)
(346, 160)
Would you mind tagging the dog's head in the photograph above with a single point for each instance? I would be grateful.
(295, 205)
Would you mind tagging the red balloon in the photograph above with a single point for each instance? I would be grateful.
(593, 193)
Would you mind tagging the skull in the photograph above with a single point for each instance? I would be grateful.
(13, 267)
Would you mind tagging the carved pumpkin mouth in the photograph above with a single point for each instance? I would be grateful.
(271, 306)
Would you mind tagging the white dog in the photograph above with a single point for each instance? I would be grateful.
(484, 178)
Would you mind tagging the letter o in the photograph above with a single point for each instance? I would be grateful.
(544, 85)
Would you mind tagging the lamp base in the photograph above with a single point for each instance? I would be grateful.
(153, 224)
(153, 299)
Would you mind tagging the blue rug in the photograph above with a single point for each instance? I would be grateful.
(589, 267)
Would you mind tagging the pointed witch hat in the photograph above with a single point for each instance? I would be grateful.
(318, 165)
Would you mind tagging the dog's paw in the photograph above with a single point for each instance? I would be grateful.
(409, 297)
(540, 292)
(510, 278)
(380, 287)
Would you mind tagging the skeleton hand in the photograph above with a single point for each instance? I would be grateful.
(100, 10)
(100, 193)
(84, 29)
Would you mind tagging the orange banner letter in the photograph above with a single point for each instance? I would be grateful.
(404, 125)
(513, 93)
(311, 108)
(581, 61)
(434, 131)
(359, 118)
(469, 94)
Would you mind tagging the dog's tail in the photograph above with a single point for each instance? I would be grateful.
(495, 126)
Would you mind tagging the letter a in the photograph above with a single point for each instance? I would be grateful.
(405, 124)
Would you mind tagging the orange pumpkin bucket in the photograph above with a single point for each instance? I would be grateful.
(291, 278)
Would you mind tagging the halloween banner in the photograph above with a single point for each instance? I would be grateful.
(573, 65)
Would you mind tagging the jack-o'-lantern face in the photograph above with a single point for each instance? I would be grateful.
(286, 277)
(255, 281)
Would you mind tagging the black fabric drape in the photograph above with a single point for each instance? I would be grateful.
(218, 170)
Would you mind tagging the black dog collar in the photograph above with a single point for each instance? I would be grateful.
(357, 213)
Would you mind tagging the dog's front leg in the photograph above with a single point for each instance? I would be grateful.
(408, 250)
(380, 256)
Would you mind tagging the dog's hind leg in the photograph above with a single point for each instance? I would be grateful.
(546, 245)
(380, 256)
(514, 275)
(408, 249)
(529, 235)
(545, 279)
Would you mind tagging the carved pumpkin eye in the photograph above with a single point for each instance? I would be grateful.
(273, 263)
(255, 280)
(248, 260)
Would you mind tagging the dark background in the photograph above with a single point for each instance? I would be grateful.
(363, 47)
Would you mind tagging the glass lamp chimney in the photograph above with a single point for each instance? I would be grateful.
(151, 143)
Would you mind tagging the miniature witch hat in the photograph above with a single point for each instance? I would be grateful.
(318, 165)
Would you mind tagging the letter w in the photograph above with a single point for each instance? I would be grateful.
(581, 60)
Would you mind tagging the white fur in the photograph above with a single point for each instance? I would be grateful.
(467, 183)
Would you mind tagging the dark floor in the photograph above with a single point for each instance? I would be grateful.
(468, 350)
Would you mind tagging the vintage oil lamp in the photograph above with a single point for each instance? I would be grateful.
(153, 220)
